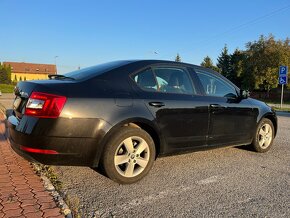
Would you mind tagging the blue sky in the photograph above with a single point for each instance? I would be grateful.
(85, 33)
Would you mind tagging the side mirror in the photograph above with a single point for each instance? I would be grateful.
(244, 94)
(231, 96)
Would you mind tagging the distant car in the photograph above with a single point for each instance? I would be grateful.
(121, 115)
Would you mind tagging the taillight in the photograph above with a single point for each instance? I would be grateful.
(44, 105)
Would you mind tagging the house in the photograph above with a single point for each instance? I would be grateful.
(30, 71)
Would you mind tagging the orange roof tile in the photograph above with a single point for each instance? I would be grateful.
(22, 67)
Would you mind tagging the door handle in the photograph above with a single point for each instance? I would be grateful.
(156, 104)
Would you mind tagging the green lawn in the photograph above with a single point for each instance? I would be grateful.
(5, 88)
(282, 109)
(277, 101)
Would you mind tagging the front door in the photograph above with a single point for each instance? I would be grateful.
(171, 97)
(231, 118)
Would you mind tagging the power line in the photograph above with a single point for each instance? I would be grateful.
(270, 14)
(206, 42)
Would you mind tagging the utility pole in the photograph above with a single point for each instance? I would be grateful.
(55, 57)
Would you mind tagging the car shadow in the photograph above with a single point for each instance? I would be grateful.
(100, 171)
(245, 147)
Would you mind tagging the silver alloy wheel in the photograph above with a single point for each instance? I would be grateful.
(132, 156)
(265, 136)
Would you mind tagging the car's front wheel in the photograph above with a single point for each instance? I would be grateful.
(128, 155)
(264, 136)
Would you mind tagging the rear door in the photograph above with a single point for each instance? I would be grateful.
(174, 101)
(232, 119)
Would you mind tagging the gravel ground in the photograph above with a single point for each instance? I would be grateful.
(226, 182)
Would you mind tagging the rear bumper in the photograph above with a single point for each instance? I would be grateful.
(49, 149)
(65, 158)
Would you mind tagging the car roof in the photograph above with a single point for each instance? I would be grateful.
(155, 61)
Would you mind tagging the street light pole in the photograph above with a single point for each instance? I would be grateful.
(55, 57)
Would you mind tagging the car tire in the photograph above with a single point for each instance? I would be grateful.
(129, 155)
(264, 136)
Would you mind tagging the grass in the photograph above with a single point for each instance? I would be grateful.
(7, 88)
(273, 101)
(73, 202)
(282, 109)
(276, 102)
(50, 173)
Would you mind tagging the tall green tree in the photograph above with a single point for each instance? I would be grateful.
(264, 58)
(223, 62)
(237, 61)
(207, 62)
(178, 58)
(5, 74)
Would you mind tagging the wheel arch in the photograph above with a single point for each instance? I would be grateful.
(273, 119)
(142, 123)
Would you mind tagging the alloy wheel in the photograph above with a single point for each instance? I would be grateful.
(265, 136)
(131, 156)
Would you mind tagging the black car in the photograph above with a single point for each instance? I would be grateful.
(121, 115)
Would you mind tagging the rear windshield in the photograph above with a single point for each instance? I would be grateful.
(95, 70)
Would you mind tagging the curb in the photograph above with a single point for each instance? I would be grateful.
(46, 182)
(51, 189)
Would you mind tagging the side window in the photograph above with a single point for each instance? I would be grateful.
(173, 80)
(146, 80)
(214, 86)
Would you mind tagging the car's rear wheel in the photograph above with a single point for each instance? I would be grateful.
(264, 136)
(129, 155)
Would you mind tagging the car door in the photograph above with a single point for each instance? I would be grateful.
(232, 118)
(173, 100)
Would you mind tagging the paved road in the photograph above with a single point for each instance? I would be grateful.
(6, 99)
(223, 182)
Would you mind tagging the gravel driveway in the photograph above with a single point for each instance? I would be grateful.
(223, 182)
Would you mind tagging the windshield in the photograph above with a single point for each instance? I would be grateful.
(95, 70)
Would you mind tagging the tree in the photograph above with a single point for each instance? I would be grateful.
(207, 62)
(223, 62)
(178, 58)
(237, 61)
(264, 58)
(5, 74)
(15, 78)
(25, 78)
(20, 79)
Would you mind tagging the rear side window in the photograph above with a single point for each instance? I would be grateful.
(165, 79)
(173, 80)
(146, 80)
